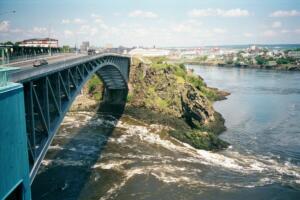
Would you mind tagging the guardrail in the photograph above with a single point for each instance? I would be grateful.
(4, 71)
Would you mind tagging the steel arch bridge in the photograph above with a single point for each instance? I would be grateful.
(49, 92)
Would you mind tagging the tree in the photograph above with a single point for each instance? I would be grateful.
(261, 60)
(281, 61)
(66, 49)
(9, 43)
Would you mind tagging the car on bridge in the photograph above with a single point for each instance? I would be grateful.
(41, 62)
(91, 52)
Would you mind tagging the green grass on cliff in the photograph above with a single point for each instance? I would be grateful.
(94, 87)
(182, 76)
(199, 139)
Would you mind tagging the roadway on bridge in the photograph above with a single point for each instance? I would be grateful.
(57, 63)
(28, 64)
(26, 73)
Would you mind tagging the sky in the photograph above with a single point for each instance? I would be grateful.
(160, 23)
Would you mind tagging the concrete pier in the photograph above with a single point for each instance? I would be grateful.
(14, 165)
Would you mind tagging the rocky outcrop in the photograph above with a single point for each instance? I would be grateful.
(160, 90)
(170, 91)
(195, 107)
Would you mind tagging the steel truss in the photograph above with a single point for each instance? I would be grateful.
(48, 98)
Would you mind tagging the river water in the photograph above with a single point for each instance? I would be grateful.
(102, 157)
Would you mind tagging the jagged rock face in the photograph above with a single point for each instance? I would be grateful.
(196, 108)
(160, 91)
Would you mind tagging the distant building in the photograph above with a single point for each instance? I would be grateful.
(108, 46)
(39, 42)
(149, 52)
(84, 46)
(294, 54)
(253, 48)
(189, 54)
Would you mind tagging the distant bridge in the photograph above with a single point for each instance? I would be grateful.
(50, 90)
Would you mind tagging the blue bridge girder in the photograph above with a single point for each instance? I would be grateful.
(49, 92)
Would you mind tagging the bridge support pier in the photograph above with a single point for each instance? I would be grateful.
(14, 166)
(113, 101)
(115, 96)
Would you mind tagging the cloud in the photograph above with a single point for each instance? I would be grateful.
(74, 21)
(219, 30)
(4, 26)
(98, 21)
(187, 26)
(248, 35)
(297, 31)
(117, 14)
(285, 31)
(94, 15)
(142, 14)
(209, 12)
(285, 13)
(16, 30)
(269, 33)
(65, 21)
(38, 30)
(78, 21)
(88, 30)
(68, 33)
(276, 24)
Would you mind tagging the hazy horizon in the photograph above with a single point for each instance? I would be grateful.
(153, 23)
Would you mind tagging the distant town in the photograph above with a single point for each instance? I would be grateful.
(259, 56)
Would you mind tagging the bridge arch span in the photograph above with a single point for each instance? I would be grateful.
(50, 91)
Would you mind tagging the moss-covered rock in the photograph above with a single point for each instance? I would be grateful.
(176, 95)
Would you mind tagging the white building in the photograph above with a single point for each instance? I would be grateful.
(190, 54)
(294, 54)
(39, 42)
(84, 46)
(149, 52)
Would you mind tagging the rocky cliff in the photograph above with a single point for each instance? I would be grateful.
(169, 94)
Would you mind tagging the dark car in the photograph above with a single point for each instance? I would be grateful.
(41, 62)
(91, 52)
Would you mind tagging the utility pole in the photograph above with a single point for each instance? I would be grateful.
(49, 40)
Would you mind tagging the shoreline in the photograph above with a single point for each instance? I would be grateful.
(277, 68)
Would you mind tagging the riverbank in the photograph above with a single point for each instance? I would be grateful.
(286, 67)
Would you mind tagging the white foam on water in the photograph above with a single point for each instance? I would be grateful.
(116, 187)
(46, 162)
(168, 174)
(112, 164)
(234, 161)
(62, 162)
(269, 169)
(55, 147)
